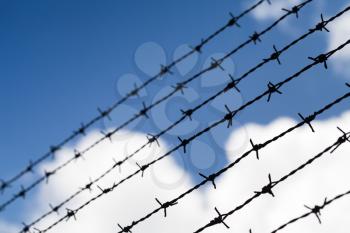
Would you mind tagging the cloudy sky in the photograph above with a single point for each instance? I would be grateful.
(62, 60)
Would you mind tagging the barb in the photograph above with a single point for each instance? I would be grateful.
(280, 84)
(219, 219)
(229, 116)
(267, 189)
(189, 113)
(275, 55)
(272, 89)
(316, 210)
(344, 138)
(106, 114)
(240, 109)
(56, 208)
(294, 10)
(307, 120)
(256, 148)
(165, 205)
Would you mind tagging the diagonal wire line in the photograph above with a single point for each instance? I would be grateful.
(316, 210)
(227, 117)
(116, 164)
(105, 114)
(143, 112)
(89, 185)
(211, 178)
(267, 189)
(154, 138)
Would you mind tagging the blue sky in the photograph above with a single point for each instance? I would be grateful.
(60, 60)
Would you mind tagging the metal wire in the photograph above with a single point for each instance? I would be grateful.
(106, 113)
(255, 148)
(267, 189)
(143, 112)
(154, 138)
(316, 210)
(227, 117)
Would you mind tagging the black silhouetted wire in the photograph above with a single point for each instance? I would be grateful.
(316, 210)
(151, 139)
(106, 113)
(188, 113)
(142, 168)
(227, 117)
(211, 178)
(154, 138)
(267, 189)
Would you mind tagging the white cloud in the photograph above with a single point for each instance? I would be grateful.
(6, 227)
(339, 33)
(132, 200)
(327, 176)
(273, 11)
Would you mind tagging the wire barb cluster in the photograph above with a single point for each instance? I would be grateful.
(316, 210)
(179, 87)
(81, 131)
(267, 189)
(187, 113)
(244, 106)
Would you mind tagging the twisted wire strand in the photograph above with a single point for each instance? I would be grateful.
(171, 126)
(186, 141)
(211, 178)
(267, 189)
(316, 210)
(105, 114)
(154, 138)
(143, 112)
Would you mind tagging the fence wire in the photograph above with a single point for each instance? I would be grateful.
(316, 210)
(106, 113)
(214, 65)
(268, 189)
(321, 59)
(255, 148)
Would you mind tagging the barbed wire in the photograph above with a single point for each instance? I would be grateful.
(153, 138)
(145, 109)
(255, 148)
(228, 117)
(106, 113)
(267, 189)
(316, 210)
